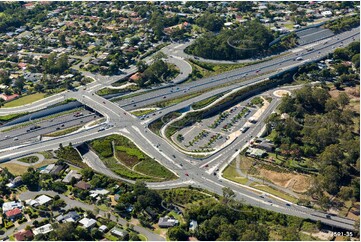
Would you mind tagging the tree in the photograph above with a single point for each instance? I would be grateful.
(228, 194)
(96, 234)
(62, 40)
(343, 100)
(210, 21)
(356, 60)
(341, 53)
(64, 232)
(177, 234)
(31, 179)
(19, 84)
(87, 173)
(142, 66)
(59, 187)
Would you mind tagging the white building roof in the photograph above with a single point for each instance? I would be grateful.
(87, 222)
(11, 205)
(43, 199)
(43, 229)
(99, 191)
(103, 228)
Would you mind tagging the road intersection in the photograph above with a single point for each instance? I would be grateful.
(190, 171)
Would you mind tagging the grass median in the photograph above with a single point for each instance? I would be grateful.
(124, 158)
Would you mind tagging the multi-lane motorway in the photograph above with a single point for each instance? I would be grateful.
(189, 170)
(277, 64)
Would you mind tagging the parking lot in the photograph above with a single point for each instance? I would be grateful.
(211, 133)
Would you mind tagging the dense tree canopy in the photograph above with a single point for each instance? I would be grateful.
(320, 128)
(210, 21)
(246, 41)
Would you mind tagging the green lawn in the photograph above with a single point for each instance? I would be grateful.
(64, 131)
(206, 102)
(111, 237)
(127, 155)
(9, 117)
(29, 159)
(142, 237)
(177, 100)
(24, 100)
(231, 173)
(153, 168)
(142, 112)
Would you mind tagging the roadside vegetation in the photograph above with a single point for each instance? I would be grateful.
(29, 159)
(124, 158)
(64, 131)
(156, 125)
(343, 24)
(70, 155)
(108, 91)
(320, 128)
(247, 41)
(143, 112)
(206, 102)
(9, 117)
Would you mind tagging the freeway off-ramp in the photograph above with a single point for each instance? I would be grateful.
(126, 124)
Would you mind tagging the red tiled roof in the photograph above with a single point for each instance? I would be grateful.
(135, 77)
(8, 97)
(23, 235)
(13, 212)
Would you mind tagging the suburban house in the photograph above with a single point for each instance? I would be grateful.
(17, 181)
(24, 235)
(119, 232)
(11, 205)
(14, 214)
(166, 222)
(43, 229)
(88, 223)
(71, 216)
(103, 228)
(8, 97)
(41, 200)
(82, 185)
(70, 175)
(256, 153)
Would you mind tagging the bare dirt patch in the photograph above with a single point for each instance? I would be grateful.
(297, 182)
(354, 95)
(281, 93)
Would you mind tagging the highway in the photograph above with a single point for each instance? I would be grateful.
(188, 169)
(271, 66)
(20, 135)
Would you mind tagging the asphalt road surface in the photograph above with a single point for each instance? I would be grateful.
(188, 169)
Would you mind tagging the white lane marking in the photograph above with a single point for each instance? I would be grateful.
(151, 144)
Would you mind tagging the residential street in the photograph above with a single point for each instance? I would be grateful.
(74, 203)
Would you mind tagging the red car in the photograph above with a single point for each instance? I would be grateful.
(186, 174)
